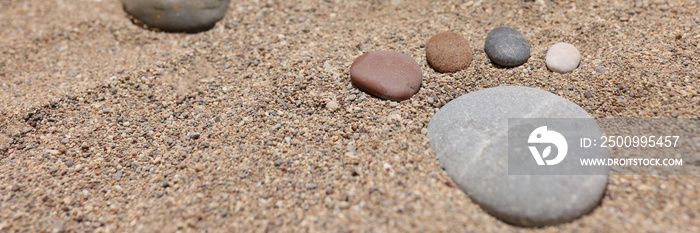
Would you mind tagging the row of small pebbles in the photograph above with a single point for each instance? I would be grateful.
(508, 48)
(446, 52)
(388, 75)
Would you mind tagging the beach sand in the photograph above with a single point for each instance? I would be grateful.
(107, 127)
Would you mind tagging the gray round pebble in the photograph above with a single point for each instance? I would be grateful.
(177, 15)
(600, 69)
(470, 135)
(507, 47)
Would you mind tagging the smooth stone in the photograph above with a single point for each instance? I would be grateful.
(507, 47)
(387, 74)
(5, 142)
(448, 52)
(470, 137)
(332, 105)
(562, 57)
(177, 15)
(600, 69)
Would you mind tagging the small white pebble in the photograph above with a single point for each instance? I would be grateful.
(351, 97)
(563, 58)
(332, 105)
(54, 152)
(424, 131)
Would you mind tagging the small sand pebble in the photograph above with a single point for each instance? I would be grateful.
(448, 52)
(332, 105)
(54, 152)
(562, 58)
(600, 69)
(387, 74)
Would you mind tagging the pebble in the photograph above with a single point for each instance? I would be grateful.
(198, 167)
(351, 97)
(54, 152)
(177, 15)
(424, 131)
(107, 110)
(58, 227)
(194, 136)
(448, 52)
(118, 175)
(5, 142)
(276, 126)
(387, 74)
(600, 69)
(507, 47)
(467, 134)
(562, 58)
(344, 205)
(332, 105)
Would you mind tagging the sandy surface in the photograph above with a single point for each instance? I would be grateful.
(97, 114)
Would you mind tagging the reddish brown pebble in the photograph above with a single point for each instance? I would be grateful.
(387, 74)
(448, 52)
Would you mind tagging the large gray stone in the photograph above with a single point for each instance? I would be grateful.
(177, 15)
(470, 137)
(507, 47)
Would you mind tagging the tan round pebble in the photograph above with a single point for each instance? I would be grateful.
(562, 58)
(448, 52)
(387, 74)
(332, 105)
